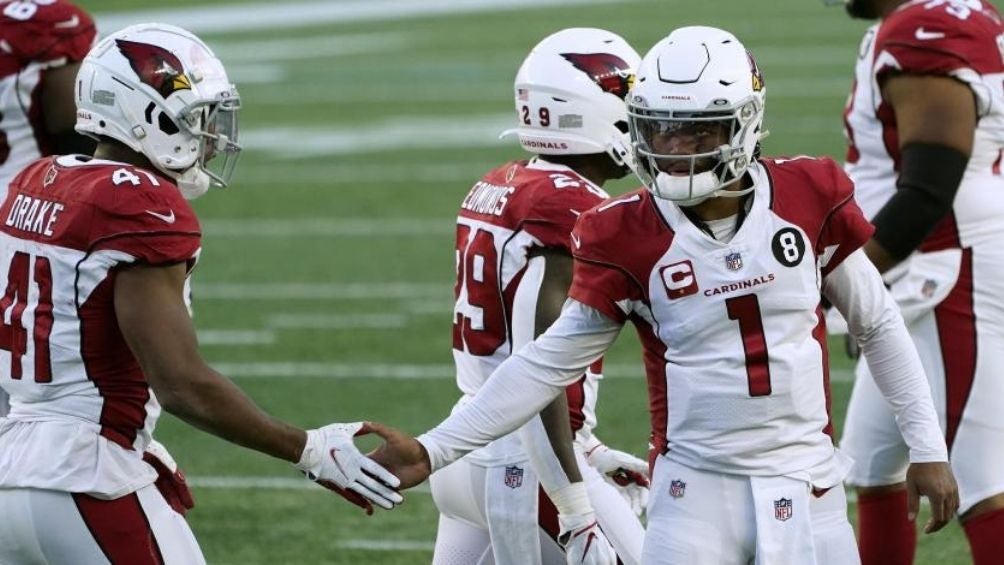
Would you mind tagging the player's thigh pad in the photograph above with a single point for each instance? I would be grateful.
(51, 527)
(698, 518)
(871, 437)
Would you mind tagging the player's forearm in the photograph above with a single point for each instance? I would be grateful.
(216, 405)
(508, 400)
(524, 384)
(873, 319)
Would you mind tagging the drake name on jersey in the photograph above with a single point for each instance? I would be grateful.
(77, 393)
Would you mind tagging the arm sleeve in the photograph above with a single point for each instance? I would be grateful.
(857, 291)
(524, 384)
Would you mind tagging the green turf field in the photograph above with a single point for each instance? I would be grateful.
(325, 283)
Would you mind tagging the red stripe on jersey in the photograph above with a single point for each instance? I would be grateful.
(576, 395)
(113, 369)
(853, 154)
(956, 321)
(547, 515)
(945, 235)
(121, 529)
(996, 168)
(655, 371)
(819, 334)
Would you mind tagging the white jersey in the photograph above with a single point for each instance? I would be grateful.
(82, 411)
(960, 40)
(733, 336)
(511, 211)
(35, 37)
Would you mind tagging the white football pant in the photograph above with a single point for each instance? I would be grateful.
(485, 521)
(961, 345)
(703, 518)
(44, 527)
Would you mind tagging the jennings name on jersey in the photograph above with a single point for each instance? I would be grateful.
(733, 332)
(81, 409)
(962, 40)
(511, 211)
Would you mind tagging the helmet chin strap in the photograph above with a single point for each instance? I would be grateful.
(192, 183)
(668, 185)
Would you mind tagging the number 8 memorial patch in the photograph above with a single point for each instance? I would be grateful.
(788, 247)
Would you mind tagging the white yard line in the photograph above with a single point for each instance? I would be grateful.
(236, 337)
(285, 175)
(337, 321)
(386, 545)
(328, 227)
(280, 15)
(318, 291)
(231, 482)
(402, 371)
(404, 132)
(305, 48)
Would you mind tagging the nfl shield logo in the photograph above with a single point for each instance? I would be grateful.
(677, 488)
(734, 261)
(513, 477)
(782, 509)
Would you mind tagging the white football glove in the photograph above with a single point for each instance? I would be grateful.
(583, 541)
(627, 473)
(331, 460)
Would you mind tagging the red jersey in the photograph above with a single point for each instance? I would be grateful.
(35, 37)
(68, 225)
(511, 211)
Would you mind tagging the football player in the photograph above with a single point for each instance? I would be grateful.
(925, 126)
(95, 253)
(43, 46)
(721, 263)
(514, 266)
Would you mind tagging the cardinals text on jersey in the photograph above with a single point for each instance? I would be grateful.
(733, 337)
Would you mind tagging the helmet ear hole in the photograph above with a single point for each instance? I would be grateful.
(166, 124)
(622, 126)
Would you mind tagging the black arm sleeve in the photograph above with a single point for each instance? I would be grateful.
(929, 177)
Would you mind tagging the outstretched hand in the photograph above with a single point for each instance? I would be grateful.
(402, 455)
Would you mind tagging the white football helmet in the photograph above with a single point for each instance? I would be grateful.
(697, 82)
(570, 95)
(162, 92)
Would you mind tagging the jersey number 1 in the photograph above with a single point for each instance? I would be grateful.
(746, 310)
(14, 336)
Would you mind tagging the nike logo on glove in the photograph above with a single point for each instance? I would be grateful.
(169, 218)
(923, 35)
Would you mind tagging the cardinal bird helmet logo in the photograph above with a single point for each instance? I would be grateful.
(155, 66)
(608, 71)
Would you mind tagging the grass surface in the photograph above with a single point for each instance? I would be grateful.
(391, 131)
